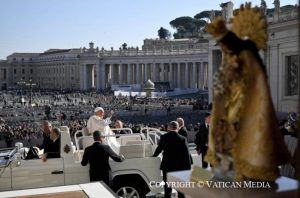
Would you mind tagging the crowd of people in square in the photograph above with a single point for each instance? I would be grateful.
(21, 121)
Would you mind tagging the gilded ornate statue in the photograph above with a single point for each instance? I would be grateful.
(244, 139)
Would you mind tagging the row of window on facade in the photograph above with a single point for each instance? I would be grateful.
(292, 81)
(179, 47)
(56, 64)
(55, 70)
(23, 71)
(47, 65)
(16, 65)
(51, 58)
(22, 59)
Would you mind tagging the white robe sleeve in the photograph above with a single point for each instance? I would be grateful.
(106, 121)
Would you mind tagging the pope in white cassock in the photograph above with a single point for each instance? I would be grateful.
(96, 122)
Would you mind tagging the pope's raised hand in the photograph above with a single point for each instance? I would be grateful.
(111, 113)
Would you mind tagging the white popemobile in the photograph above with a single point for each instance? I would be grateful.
(131, 178)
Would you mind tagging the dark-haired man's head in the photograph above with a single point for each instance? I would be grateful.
(207, 118)
(46, 127)
(54, 134)
(173, 126)
(98, 136)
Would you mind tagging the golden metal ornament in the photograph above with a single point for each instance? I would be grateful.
(217, 28)
(249, 23)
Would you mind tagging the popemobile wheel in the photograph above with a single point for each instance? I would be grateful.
(129, 190)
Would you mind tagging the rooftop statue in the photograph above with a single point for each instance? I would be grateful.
(227, 9)
(244, 139)
(263, 7)
(277, 5)
(212, 15)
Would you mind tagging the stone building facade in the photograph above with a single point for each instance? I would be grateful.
(185, 66)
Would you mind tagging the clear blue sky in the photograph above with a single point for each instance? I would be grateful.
(38, 25)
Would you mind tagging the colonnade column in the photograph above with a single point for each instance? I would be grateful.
(112, 74)
(138, 73)
(146, 74)
(89, 76)
(178, 76)
(83, 79)
(203, 74)
(200, 76)
(205, 68)
(171, 75)
(194, 76)
(133, 74)
(186, 75)
(121, 74)
(154, 72)
(129, 74)
(162, 73)
(102, 76)
(117, 76)
(98, 81)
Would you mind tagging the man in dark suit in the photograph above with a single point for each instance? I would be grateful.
(97, 155)
(182, 129)
(176, 155)
(52, 148)
(201, 139)
(46, 127)
(283, 127)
